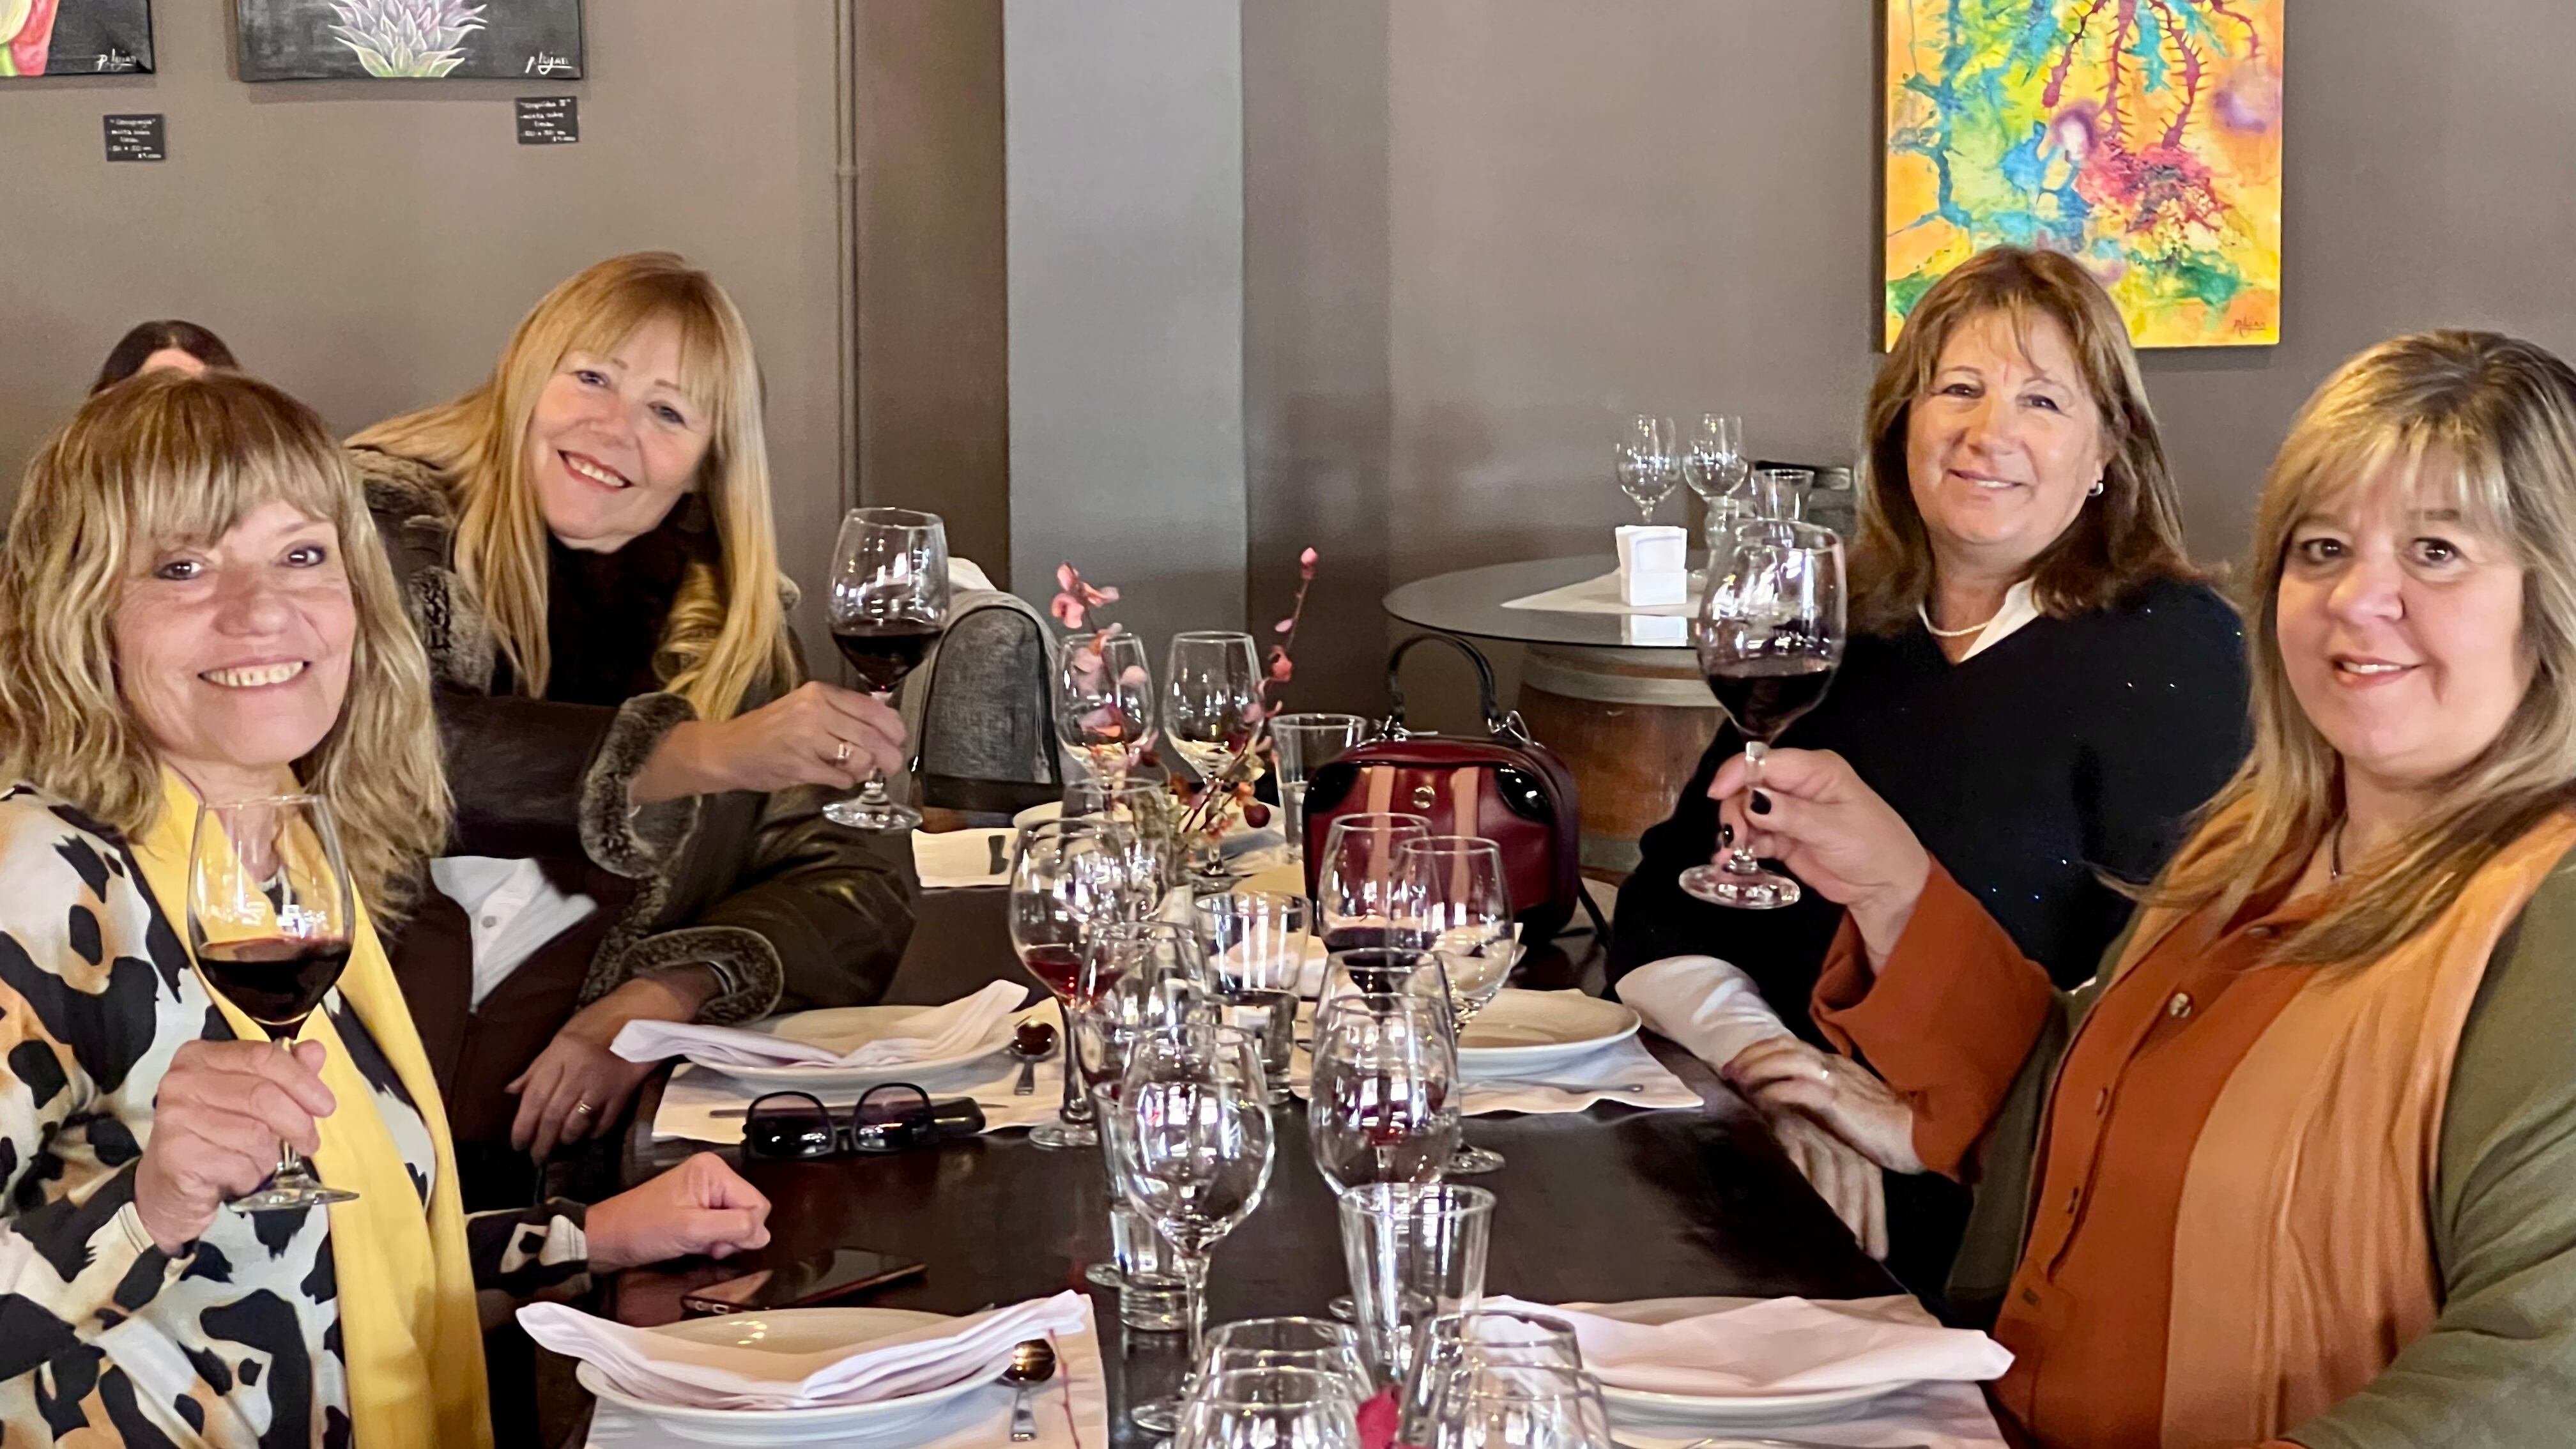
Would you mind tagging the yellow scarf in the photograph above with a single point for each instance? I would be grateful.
(409, 1334)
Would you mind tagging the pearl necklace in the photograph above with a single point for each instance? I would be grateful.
(1940, 633)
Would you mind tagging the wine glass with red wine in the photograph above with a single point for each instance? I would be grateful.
(1068, 877)
(271, 920)
(889, 601)
(1769, 635)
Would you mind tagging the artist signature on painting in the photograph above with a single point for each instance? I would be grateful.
(116, 60)
(542, 63)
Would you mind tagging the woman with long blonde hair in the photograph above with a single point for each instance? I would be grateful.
(182, 619)
(2295, 1165)
(586, 544)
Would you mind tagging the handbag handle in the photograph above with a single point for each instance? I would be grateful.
(1496, 722)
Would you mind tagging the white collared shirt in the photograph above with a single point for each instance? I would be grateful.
(2018, 609)
(511, 909)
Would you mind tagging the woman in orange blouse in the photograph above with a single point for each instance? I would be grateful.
(2299, 1165)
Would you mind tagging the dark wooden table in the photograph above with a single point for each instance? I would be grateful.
(1610, 1204)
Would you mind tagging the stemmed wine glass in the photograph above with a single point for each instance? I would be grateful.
(1519, 1406)
(1453, 902)
(1138, 978)
(889, 600)
(1648, 459)
(1211, 706)
(1194, 1148)
(1769, 635)
(1104, 702)
(1068, 876)
(271, 921)
(1384, 1098)
(1714, 466)
(1269, 1405)
(1355, 883)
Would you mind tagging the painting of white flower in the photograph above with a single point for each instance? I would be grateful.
(414, 40)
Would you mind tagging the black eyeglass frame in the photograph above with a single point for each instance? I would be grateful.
(888, 1117)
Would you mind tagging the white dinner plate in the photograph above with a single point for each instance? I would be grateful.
(794, 1331)
(1043, 810)
(1522, 1033)
(1644, 1407)
(846, 1029)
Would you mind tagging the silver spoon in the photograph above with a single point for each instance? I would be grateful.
(1032, 1363)
(1032, 1042)
(1629, 1087)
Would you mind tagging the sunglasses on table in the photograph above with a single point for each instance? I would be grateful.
(888, 1117)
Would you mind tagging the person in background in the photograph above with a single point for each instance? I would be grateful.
(2036, 680)
(2294, 1166)
(178, 346)
(585, 543)
(177, 547)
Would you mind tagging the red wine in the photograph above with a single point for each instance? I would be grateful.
(883, 651)
(1356, 938)
(276, 981)
(1058, 967)
(1766, 695)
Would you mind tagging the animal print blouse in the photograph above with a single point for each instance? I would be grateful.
(235, 1340)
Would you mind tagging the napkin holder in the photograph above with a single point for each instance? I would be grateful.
(1653, 565)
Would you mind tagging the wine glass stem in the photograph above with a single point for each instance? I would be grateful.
(1194, 1277)
(873, 792)
(1755, 752)
(290, 1163)
(1072, 1066)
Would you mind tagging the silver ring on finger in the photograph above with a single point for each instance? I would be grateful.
(1825, 1069)
(583, 1109)
(841, 756)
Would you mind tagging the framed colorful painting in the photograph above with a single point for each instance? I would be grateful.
(74, 37)
(2142, 137)
(409, 39)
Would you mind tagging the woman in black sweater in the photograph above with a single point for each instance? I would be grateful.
(2036, 678)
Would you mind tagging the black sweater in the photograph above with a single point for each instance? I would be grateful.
(2071, 747)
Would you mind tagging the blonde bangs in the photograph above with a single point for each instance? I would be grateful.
(167, 460)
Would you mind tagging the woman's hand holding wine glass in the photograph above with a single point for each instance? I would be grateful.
(888, 602)
(1812, 813)
(224, 1107)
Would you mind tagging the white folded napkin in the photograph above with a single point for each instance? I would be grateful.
(674, 1372)
(932, 1033)
(1778, 1346)
(1577, 1085)
(953, 859)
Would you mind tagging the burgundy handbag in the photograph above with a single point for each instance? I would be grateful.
(1506, 787)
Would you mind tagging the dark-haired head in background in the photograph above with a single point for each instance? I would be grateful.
(170, 343)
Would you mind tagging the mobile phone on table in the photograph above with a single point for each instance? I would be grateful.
(817, 1279)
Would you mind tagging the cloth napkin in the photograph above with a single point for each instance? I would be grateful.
(1778, 1346)
(1071, 1409)
(660, 1369)
(1576, 1085)
(1925, 1416)
(695, 1095)
(1601, 596)
(954, 859)
(932, 1033)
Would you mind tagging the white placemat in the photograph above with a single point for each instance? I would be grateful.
(696, 1094)
(1072, 1412)
(959, 859)
(1601, 596)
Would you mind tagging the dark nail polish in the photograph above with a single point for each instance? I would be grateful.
(1761, 803)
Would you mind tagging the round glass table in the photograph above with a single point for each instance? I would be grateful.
(1619, 697)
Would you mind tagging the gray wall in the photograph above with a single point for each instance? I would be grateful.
(369, 246)
(1124, 125)
(1635, 204)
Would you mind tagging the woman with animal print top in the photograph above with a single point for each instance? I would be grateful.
(192, 608)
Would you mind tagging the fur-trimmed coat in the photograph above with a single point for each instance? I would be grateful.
(789, 910)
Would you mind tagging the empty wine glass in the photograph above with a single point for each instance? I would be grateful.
(889, 600)
(1068, 876)
(1455, 1343)
(1301, 744)
(271, 922)
(1355, 881)
(1780, 494)
(1211, 704)
(1104, 702)
(1287, 1342)
(1769, 635)
(1268, 1406)
(1195, 1151)
(1139, 979)
(1453, 900)
(1144, 806)
(1715, 467)
(1519, 1406)
(1648, 459)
